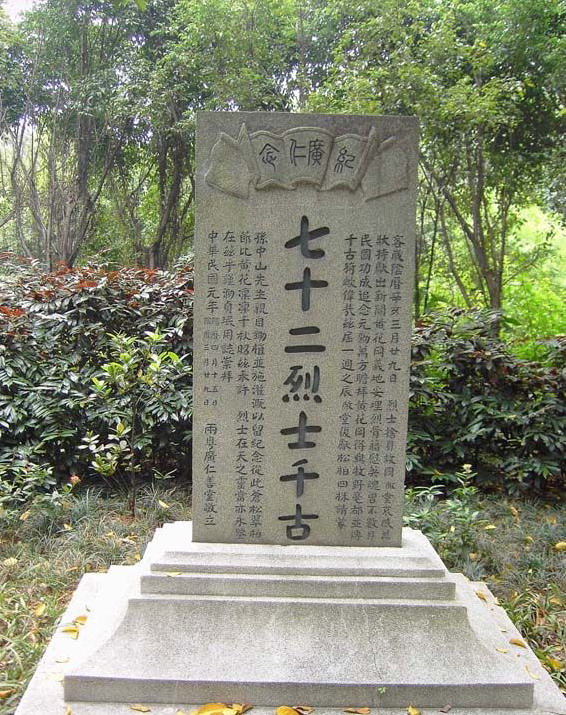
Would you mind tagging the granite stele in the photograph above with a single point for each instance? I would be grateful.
(295, 582)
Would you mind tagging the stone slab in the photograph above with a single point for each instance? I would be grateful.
(304, 243)
(100, 595)
(413, 572)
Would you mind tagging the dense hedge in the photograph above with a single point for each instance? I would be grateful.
(55, 339)
(90, 375)
(475, 403)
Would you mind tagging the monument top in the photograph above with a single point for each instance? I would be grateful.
(304, 261)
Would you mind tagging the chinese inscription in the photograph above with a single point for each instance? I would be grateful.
(302, 327)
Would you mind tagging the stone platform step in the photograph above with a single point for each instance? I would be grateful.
(324, 652)
(298, 585)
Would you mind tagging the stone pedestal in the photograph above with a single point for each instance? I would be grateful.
(326, 626)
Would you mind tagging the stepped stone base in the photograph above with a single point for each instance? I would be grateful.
(279, 625)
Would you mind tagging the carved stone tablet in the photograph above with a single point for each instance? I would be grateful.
(304, 277)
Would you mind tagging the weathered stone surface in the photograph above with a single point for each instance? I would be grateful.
(304, 262)
(424, 652)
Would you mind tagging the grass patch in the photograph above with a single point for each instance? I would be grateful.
(509, 544)
(43, 558)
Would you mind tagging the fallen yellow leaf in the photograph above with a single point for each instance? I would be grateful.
(68, 710)
(241, 708)
(413, 711)
(172, 574)
(25, 516)
(39, 610)
(163, 504)
(55, 676)
(210, 708)
(140, 708)
(67, 527)
(62, 660)
(518, 641)
(303, 709)
(490, 527)
(359, 711)
(530, 672)
(80, 620)
(285, 710)
(502, 650)
(554, 663)
(6, 693)
(11, 561)
(72, 631)
(482, 595)
(560, 546)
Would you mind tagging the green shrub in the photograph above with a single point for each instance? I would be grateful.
(56, 334)
(473, 402)
(95, 380)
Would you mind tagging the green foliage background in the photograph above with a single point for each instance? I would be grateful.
(96, 383)
(98, 102)
(95, 377)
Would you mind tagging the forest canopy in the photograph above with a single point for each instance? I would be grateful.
(97, 126)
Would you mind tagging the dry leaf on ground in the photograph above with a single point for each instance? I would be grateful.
(502, 650)
(80, 620)
(140, 708)
(58, 677)
(518, 641)
(286, 710)
(446, 709)
(72, 631)
(6, 693)
(303, 709)
(39, 610)
(215, 709)
(560, 546)
(482, 595)
(413, 711)
(241, 708)
(534, 676)
(359, 711)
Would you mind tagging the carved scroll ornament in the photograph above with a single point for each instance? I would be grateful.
(308, 155)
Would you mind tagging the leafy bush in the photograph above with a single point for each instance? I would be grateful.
(95, 379)
(56, 341)
(473, 402)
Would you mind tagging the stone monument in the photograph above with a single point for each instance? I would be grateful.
(295, 581)
(305, 277)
